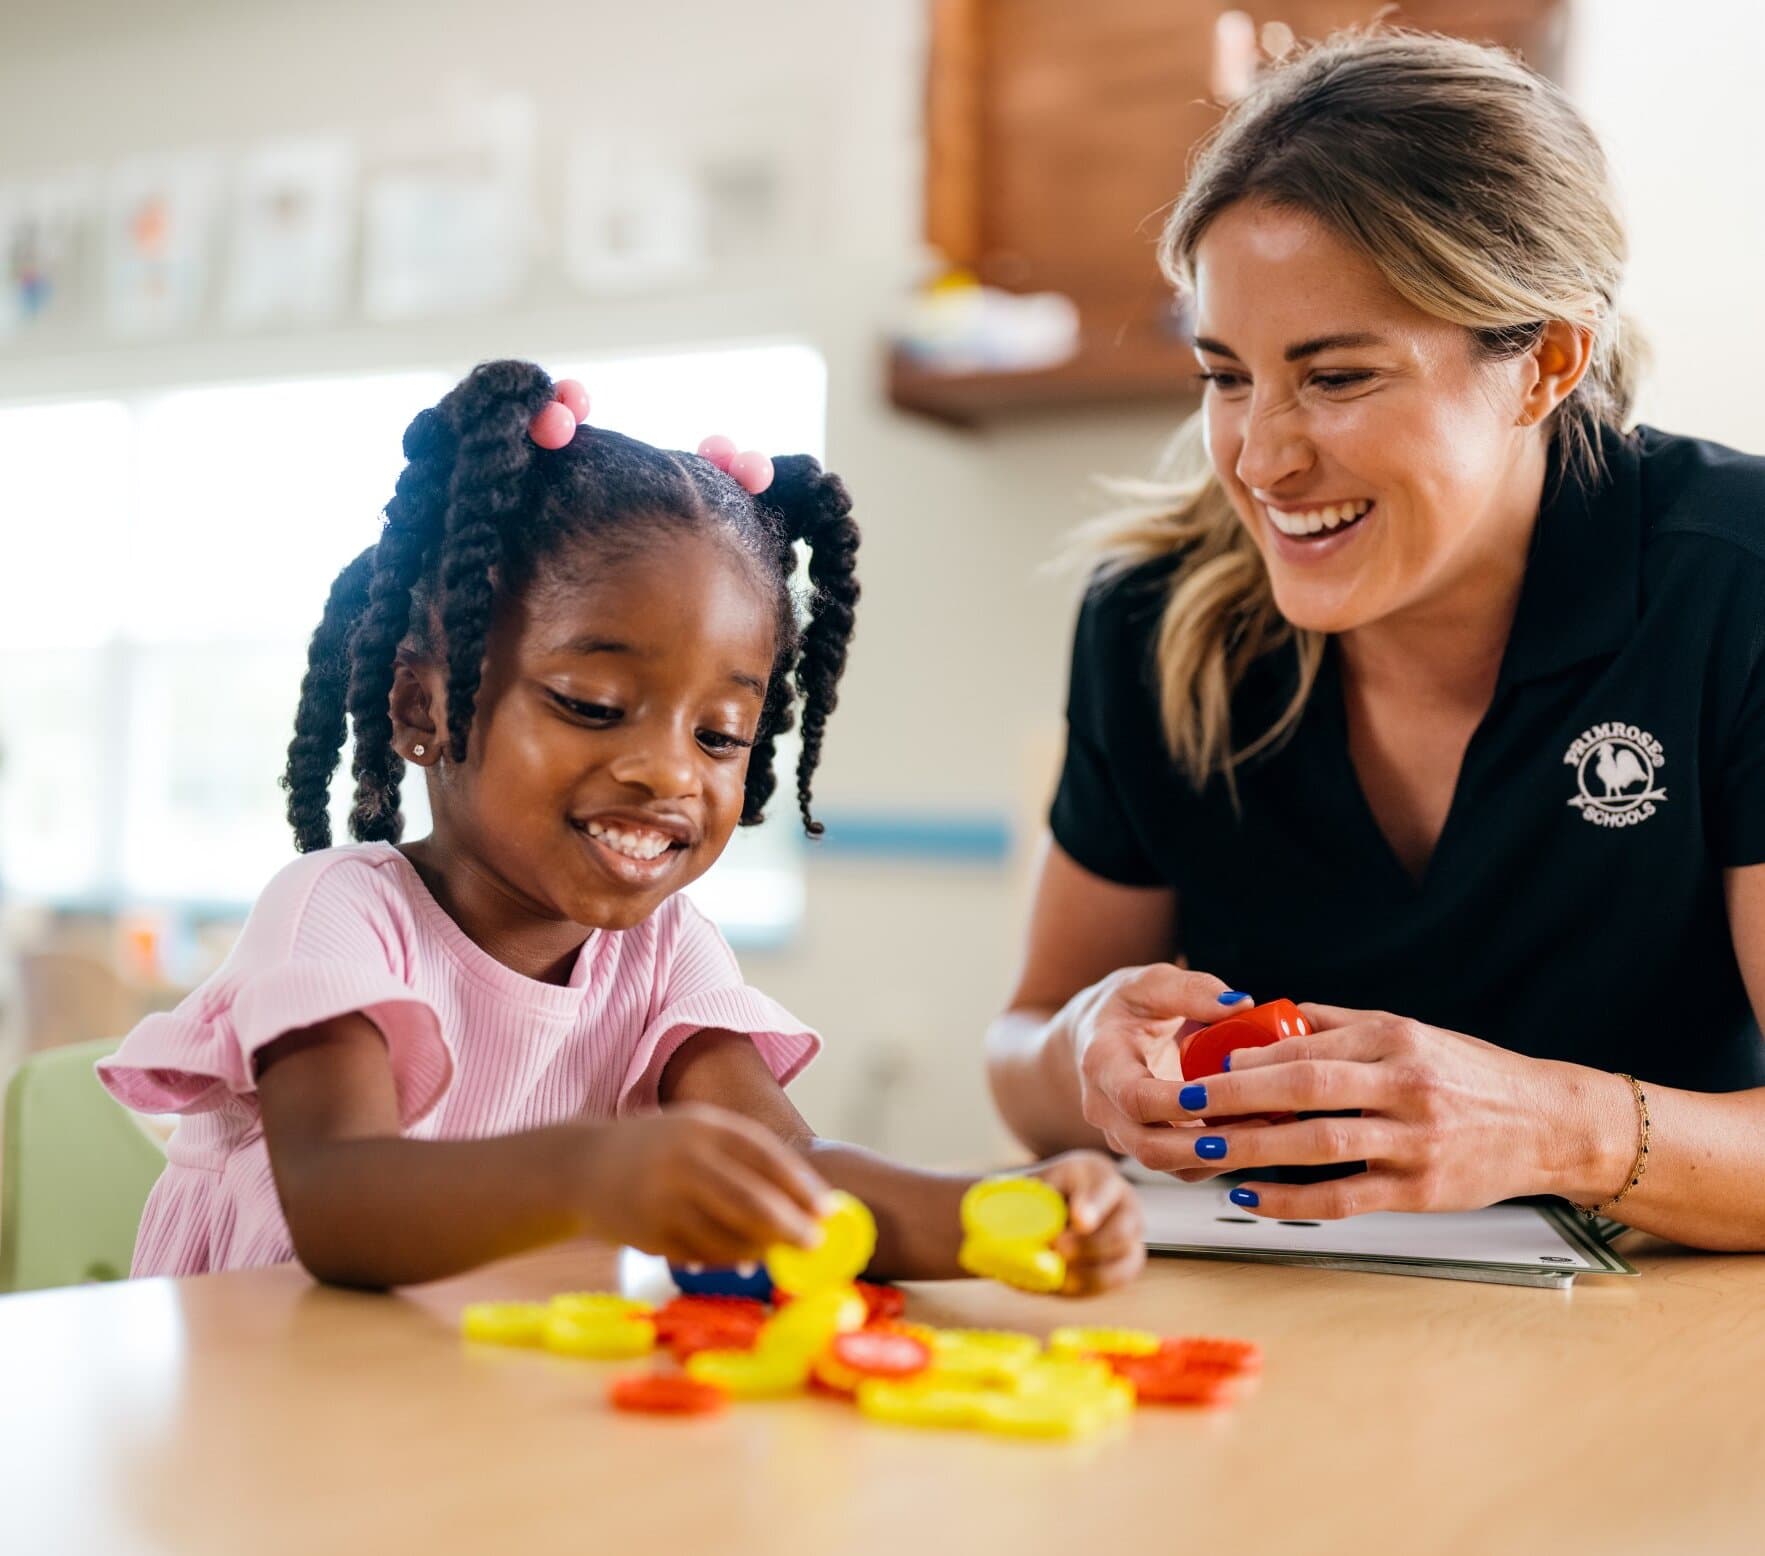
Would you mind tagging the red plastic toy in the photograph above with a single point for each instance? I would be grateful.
(1202, 1052)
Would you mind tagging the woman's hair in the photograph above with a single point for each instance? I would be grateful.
(1481, 196)
(476, 513)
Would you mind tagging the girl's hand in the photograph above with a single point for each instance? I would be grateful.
(698, 1184)
(1125, 1043)
(1103, 1243)
(1446, 1122)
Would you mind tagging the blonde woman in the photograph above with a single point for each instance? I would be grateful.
(1427, 691)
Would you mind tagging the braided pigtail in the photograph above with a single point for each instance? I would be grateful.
(814, 507)
(319, 726)
(412, 532)
(777, 717)
(489, 485)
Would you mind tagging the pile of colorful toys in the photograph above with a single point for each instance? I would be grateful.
(826, 1333)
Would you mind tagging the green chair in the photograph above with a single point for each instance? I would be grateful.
(76, 1173)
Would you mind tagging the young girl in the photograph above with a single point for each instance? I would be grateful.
(419, 1058)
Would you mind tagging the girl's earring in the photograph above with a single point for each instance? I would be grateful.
(417, 750)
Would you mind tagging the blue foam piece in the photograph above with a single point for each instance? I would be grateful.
(722, 1281)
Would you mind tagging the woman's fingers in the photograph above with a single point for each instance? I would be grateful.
(1303, 1143)
(1139, 1012)
(1165, 1148)
(1324, 1016)
(1332, 1201)
(1300, 1086)
(1139, 1097)
(1118, 1084)
(1365, 1041)
(1165, 992)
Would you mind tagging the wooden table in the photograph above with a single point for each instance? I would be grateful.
(258, 1412)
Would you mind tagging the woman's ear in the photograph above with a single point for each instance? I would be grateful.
(418, 705)
(1559, 362)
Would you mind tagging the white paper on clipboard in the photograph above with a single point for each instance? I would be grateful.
(1520, 1243)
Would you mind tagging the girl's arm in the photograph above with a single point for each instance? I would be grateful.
(918, 1221)
(366, 1207)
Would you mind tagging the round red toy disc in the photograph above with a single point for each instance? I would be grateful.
(664, 1394)
(882, 1353)
(1204, 1053)
(1279, 1018)
(881, 1302)
(1158, 1380)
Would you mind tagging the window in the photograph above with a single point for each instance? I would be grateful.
(167, 557)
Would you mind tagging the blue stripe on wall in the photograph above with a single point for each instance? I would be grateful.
(905, 835)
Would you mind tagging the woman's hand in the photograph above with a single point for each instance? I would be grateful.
(699, 1184)
(1446, 1122)
(1125, 1045)
(1104, 1244)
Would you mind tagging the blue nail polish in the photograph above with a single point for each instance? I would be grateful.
(1211, 1148)
(1248, 1198)
(1194, 1098)
(1233, 996)
(1226, 1064)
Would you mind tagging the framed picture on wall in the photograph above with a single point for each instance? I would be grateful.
(47, 229)
(448, 213)
(634, 214)
(290, 230)
(158, 242)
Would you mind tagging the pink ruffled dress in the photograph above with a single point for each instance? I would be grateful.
(477, 1049)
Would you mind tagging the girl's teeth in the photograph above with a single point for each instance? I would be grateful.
(634, 845)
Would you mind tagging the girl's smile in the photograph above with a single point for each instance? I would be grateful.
(639, 849)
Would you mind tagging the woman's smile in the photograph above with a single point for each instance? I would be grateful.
(1315, 531)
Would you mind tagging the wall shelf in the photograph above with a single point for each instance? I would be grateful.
(1143, 371)
(1057, 135)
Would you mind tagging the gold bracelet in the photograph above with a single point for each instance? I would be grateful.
(1641, 1164)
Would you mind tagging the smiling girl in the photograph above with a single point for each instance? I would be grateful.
(423, 1056)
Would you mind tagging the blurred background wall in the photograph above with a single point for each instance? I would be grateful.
(941, 756)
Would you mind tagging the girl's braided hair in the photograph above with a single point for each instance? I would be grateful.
(476, 511)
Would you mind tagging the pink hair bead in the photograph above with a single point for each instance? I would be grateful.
(570, 394)
(553, 427)
(718, 449)
(753, 470)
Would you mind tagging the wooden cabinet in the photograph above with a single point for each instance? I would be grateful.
(1058, 133)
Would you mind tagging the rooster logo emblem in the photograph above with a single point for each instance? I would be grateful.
(1616, 767)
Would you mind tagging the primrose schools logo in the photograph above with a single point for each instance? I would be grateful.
(1615, 767)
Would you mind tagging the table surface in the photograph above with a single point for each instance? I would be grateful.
(257, 1411)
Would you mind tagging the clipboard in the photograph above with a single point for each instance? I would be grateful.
(1518, 1243)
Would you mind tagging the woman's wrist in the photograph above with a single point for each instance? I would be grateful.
(1590, 1135)
(1074, 1022)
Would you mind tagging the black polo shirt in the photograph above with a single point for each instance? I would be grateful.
(1573, 906)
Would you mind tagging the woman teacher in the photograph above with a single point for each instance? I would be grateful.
(1429, 694)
